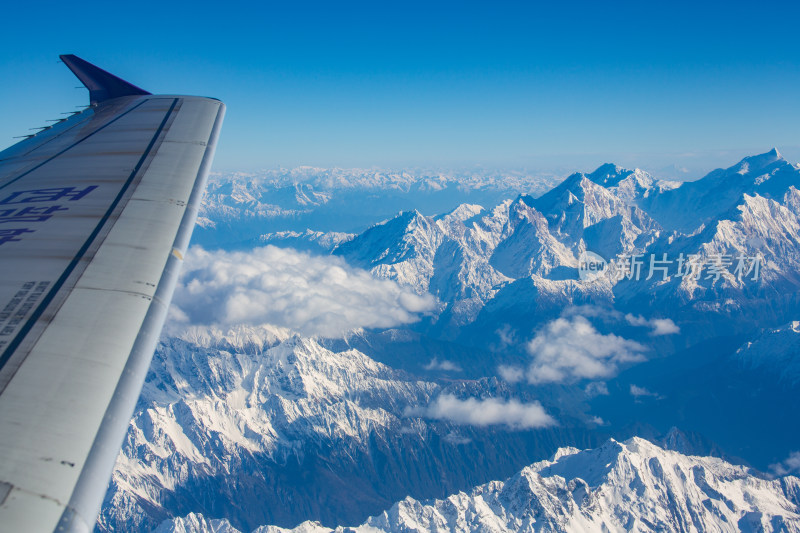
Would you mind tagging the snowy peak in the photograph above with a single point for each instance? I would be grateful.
(585, 215)
(463, 212)
(593, 490)
(620, 486)
(609, 175)
(308, 240)
(756, 227)
(584, 198)
(247, 339)
(768, 174)
(630, 186)
(574, 204)
(407, 236)
(241, 206)
(530, 248)
(446, 256)
(699, 202)
(575, 185)
(757, 163)
(792, 200)
(225, 421)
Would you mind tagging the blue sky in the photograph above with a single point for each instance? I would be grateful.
(449, 84)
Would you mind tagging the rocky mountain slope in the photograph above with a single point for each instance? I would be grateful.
(620, 486)
(258, 425)
(520, 259)
(775, 352)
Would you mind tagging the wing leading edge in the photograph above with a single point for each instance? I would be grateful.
(96, 213)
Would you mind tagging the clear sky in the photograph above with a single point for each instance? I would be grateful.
(394, 84)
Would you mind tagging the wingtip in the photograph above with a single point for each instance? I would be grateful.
(102, 85)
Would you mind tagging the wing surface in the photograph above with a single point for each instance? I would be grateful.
(96, 213)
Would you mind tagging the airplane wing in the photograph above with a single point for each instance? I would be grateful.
(96, 213)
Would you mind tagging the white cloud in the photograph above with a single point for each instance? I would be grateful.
(596, 388)
(664, 326)
(592, 311)
(512, 374)
(313, 295)
(444, 364)
(661, 326)
(506, 336)
(491, 411)
(570, 349)
(639, 392)
(456, 439)
(790, 465)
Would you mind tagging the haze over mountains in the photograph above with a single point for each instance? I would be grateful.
(277, 398)
(242, 206)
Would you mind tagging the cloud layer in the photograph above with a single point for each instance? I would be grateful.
(570, 349)
(661, 326)
(312, 295)
(491, 411)
(791, 465)
(639, 392)
(444, 364)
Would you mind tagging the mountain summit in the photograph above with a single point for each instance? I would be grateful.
(620, 486)
(695, 203)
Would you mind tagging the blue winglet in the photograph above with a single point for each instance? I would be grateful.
(102, 85)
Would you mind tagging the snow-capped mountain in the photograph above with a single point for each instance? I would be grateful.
(521, 257)
(465, 257)
(220, 408)
(252, 425)
(580, 209)
(257, 425)
(755, 246)
(631, 486)
(308, 240)
(631, 186)
(477, 260)
(526, 247)
(695, 203)
(440, 255)
(240, 207)
(620, 486)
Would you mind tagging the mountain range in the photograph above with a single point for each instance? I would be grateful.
(250, 424)
(239, 206)
(619, 486)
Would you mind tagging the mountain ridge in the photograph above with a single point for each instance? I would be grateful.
(260, 425)
(619, 486)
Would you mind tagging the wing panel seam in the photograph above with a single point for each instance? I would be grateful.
(14, 344)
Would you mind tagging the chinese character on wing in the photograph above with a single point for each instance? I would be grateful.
(47, 195)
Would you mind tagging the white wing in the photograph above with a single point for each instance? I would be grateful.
(95, 216)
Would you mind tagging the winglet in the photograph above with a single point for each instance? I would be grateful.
(102, 85)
